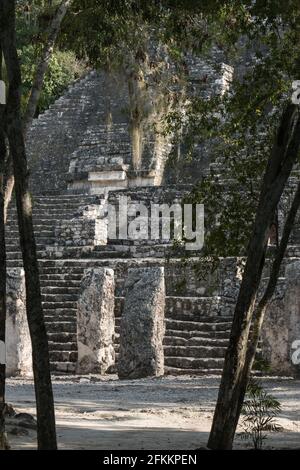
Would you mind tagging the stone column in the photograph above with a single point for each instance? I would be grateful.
(281, 329)
(142, 326)
(18, 344)
(96, 322)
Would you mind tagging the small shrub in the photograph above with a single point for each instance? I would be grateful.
(259, 414)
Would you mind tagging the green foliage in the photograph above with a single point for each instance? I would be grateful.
(32, 22)
(63, 69)
(240, 127)
(259, 414)
(262, 365)
(99, 29)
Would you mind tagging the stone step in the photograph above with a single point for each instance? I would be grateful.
(195, 351)
(203, 371)
(65, 200)
(57, 279)
(194, 363)
(41, 243)
(194, 308)
(60, 283)
(180, 325)
(88, 252)
(65, 266)
(62, 337)
(198, 316)
(195, 341)
(54, 346)
(61, 326)
(60, 311)
(46, 215)
(14, 255)
(65, 289)
(63, 356)
(187, 334)
(59, 318)
(59, 305)
(41, 231)
(14, 263)
(53, 272)
(50, 297)
(63, 367)
(218, 335)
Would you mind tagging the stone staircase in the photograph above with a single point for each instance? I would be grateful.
(194, 342)
(59, 294)
(198, 312)
(57, 133)
(196, 331)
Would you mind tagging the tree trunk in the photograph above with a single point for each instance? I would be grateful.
(279, 167)
(40, 354)
(3, 444)
(264, 303)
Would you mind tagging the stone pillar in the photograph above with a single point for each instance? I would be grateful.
(96, 321)
(18, 344)
(281, 329)
(142, 326)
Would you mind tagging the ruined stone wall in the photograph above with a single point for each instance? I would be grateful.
(87, 226)
(281, 328)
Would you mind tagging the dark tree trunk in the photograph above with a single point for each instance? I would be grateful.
(264, 303)
(40, 354)
(279, 167)
(3, 444)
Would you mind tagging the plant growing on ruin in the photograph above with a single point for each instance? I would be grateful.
(259, 413)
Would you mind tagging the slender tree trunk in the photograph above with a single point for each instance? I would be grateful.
(40, 354)
(3, 444)
(264, 303)
(279, 167)
(35, 93)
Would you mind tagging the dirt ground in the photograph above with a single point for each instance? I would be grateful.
(161, 413)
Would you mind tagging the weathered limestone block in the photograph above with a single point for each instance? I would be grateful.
(88, 227)
(281, 328)
(142, 325)
(18, 344)
(95, 321)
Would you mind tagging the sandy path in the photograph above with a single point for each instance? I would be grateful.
(164, 413)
